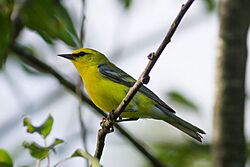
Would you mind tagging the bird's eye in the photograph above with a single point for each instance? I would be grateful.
(81, 54)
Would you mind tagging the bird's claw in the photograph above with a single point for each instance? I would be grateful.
(102, 121)
(111, 129)
(107, 125)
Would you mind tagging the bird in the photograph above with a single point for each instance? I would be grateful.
(107, 85)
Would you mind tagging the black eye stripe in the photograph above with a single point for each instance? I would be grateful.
(80, 54)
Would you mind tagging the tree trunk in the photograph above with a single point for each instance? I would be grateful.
(229, 149)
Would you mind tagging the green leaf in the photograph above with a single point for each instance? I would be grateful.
(36, 151)
(5, 159)
(55, 143)
(39, 152)
(80, 153)
(182, 100)
(210, 4)
(44, 129)
(126, 3)
(6, 7)
(51, 20)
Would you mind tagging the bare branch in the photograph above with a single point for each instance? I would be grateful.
(82, 29)
(80, 117)
(107, 124)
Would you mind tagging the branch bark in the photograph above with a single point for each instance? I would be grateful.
(27, 57)
(144, 78)
(229, 149)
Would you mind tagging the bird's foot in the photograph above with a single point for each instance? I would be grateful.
(107, 125)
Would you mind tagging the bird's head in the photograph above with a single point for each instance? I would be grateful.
(84, 57)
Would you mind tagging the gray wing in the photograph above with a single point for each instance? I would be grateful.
(117, 75)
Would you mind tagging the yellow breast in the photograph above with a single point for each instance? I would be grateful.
(104, 93)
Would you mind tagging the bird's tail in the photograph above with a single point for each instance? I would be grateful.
(183, 125)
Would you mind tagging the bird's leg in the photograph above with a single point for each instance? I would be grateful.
(126, 119)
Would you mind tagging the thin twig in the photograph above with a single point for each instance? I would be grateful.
(80, 117)
(27, 57)
(78, 87)
(38, 163)
(48, 157)
(82, 29)
(143, 79)
(61, 161)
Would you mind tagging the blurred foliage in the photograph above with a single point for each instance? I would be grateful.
(181, 100)
(184, 154)
(210, 4)
(80, 153)
(5, 159)
(44, 129)
(6, 7)
(41, 152)
(126, 3)
(51, 20)
(189, 154)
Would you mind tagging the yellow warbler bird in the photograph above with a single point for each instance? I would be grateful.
(107, 85)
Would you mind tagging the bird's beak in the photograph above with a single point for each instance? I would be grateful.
(67, 56)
